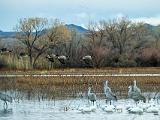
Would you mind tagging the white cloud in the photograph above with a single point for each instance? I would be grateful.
(78, 11)
(149, 20)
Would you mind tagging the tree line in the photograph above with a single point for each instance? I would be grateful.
(108, 43)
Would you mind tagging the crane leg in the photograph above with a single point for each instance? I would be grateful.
(136, 103)
(88, 101)
(5, 106)
(106, 101)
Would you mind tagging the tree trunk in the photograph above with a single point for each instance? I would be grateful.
(30, 58)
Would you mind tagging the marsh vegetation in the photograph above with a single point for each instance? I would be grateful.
(112, 43)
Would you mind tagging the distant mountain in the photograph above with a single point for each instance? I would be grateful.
(79, 29)
(7, 34)
(151, 27)
(9, 41)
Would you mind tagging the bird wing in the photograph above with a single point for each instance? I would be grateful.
(136, 89)
(137, 97)
(114, 96)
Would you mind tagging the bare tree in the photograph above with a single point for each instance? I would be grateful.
(58, 33)
(156, 35)
(31, 34)
(95, 46)
(118, 33)
(38, 36)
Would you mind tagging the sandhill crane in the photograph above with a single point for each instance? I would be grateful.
(22, 55)
(62, 59)
(108, 93)
(91, 96)
(5, 50)
(88, 60)
(135, 95)
(51, 58)
(135, 88)
(5, 98)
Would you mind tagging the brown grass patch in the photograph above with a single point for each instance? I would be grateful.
(59, 87)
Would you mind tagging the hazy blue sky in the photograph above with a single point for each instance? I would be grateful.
(78, 11)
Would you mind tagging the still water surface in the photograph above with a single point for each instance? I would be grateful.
(54, 110)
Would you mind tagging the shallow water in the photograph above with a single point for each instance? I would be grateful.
(54, 110)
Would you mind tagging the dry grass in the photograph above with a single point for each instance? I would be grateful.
(19, 65)
(13, 62)
(59, 87)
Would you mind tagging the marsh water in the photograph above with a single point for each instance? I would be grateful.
(48, 99)
(24, 108)
(55, 110)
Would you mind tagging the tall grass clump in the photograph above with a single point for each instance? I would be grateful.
(10, 61)
(15, 62)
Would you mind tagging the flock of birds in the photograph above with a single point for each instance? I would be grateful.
(5, 50)
(52, 57)
(64, 59)
(134, 93)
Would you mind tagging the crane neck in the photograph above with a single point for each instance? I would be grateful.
(106, 83)
(135, 83)
(130, 89)
(89, 90)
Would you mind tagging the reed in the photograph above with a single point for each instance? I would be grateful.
(69, 87)
(12, 62)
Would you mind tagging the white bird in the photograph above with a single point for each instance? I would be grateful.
(87, 109)
(91, 96)
(128, 106)
(135, 110)
(109, 108)
(152, 109)
(108, 93)
(119, 108)
(143, 105)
